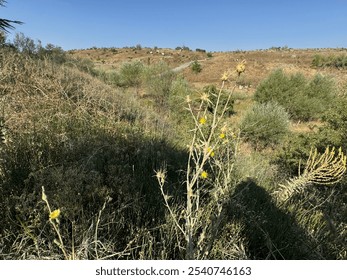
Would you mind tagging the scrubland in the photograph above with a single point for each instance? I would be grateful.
(127, 159)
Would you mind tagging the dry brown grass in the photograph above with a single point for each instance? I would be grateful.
(259, 63)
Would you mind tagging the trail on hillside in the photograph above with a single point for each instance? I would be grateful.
(185, 65)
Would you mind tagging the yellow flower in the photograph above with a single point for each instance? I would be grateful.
(210, 151)
(204, 174)
(222, 135)
(202, 120)
(241, 67)
(225, 76)
(54, 215)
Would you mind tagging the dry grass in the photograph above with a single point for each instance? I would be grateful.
(259, 63)
(94, 147)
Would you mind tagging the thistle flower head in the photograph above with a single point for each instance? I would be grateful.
(204, 174)
(222, 135)
(161, 175)
(188, 99)
(225, 76)
(205, 97)
(54, 215)
(202, 120)
(210, 151)
(241, 67)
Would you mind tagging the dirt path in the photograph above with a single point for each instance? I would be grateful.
(185, 65)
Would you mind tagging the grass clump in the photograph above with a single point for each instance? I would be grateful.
(339, 61)
(158, 79)
(266, 124)
(131, 74)
(87, 143)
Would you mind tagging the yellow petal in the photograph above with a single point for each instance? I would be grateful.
(202, 120)
(54, 215)
(204, 174)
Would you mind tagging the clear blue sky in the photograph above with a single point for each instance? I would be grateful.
(214, 25)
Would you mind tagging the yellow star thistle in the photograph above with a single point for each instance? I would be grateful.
(225, 76)
(54, 215)
(188, 100)
(210, 152)
(204, 97)
(204, 174)
(202, 120)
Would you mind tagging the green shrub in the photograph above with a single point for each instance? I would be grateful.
(196, 67)
(304, 99)
(336, 120)
(265, 124)
(339, 61)
(158, 79)
(224, 99)
(131, 74)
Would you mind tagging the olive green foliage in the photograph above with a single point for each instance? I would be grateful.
(196, 67)
(304, 99)
(339, 61)
(224, 100)
(336, 119)
(131, 74)
(158, 79)
(333, 133)
(266, 124)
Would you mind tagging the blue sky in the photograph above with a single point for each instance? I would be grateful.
(214, 25)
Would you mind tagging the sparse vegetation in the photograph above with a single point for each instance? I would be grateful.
(80, 144)
(339, 61)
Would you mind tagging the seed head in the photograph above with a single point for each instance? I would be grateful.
(241, 67)
(161, 175)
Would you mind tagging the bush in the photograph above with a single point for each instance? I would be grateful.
(339, 61)
(131, 74)
(265, 124)
(196, 67)
(158, 79)
(224, 99)
(304, 99)
(299, 145)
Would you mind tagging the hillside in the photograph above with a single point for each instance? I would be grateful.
(259, 63)
(131, 154)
